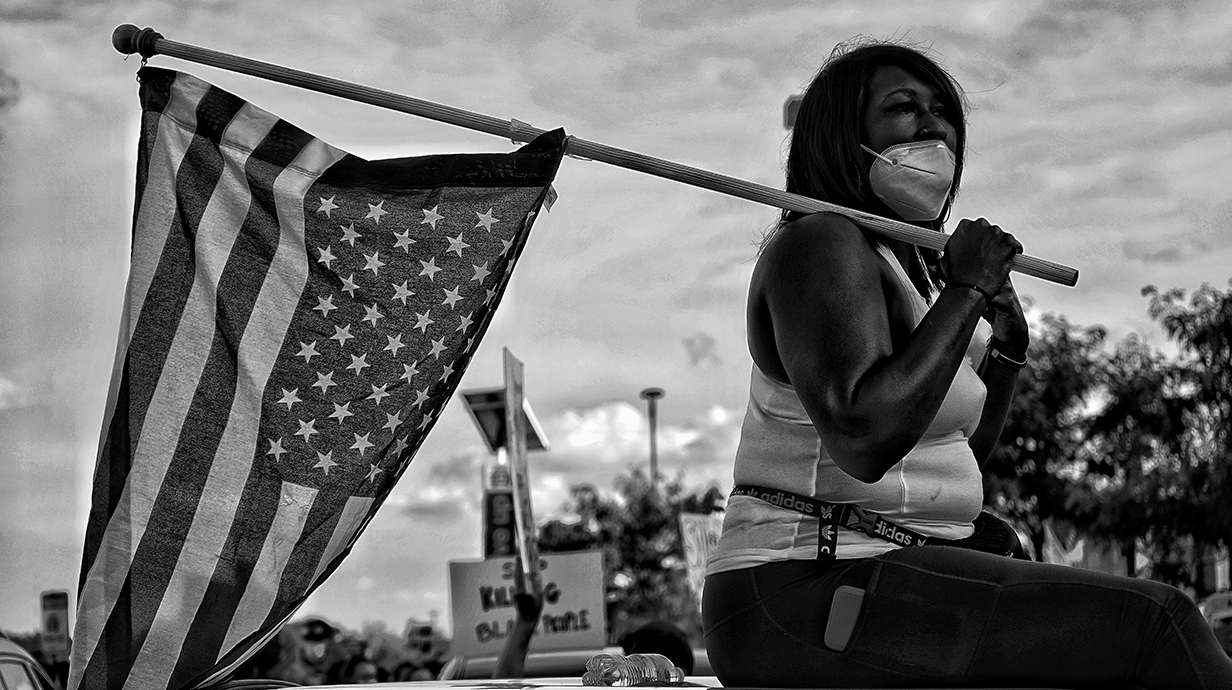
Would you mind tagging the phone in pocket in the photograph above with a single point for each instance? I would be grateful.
(844, 609)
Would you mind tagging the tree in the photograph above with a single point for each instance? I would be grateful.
(638, 530)
(1033, 472)
(1129, 445)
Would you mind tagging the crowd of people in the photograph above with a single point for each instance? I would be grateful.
(316, 652)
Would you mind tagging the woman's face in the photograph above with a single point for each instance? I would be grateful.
(900, 108)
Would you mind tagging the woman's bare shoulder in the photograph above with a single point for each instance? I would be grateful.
(818, 239)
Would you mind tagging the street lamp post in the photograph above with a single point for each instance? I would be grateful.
(651, 396)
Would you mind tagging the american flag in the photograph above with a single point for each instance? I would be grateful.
(296, 318)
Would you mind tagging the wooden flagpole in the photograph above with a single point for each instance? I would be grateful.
(128, 39)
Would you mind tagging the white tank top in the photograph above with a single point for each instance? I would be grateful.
(936, 489)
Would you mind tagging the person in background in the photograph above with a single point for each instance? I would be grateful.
(661, 637)
(854, 551)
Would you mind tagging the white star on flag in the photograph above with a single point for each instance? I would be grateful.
(324, 256)
(431, 216)
(349, 235)
(486, 220)
(375, 212)
(327, 205)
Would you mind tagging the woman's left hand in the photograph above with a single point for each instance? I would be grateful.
(1009, 324)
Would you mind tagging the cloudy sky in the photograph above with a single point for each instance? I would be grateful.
(1099, 136)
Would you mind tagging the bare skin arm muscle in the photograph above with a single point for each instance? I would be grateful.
(819, 319)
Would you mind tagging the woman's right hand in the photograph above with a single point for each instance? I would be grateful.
(979, 253)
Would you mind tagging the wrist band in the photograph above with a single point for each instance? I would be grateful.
(986, 294)
(996, 350)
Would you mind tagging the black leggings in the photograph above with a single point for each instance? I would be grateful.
(939, 615)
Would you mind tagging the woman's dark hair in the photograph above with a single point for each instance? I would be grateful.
(824, 159)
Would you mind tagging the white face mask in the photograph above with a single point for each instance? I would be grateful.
(914, 178)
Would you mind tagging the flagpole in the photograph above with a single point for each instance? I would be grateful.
(128, 39)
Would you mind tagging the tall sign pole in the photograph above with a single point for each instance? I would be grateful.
(515, 445)
(651, 396)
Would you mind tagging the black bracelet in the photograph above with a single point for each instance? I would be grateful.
(986, 294)
(996, 351)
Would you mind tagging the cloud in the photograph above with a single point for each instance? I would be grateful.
(12, 395)
(701, 349)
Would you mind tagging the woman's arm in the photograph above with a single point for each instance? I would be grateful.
(821, 283)
(1010, 328)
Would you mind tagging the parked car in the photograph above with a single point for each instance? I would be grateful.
(567, 664)
(1215, 604)
(19, 670)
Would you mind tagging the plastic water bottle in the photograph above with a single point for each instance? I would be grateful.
(635, 669)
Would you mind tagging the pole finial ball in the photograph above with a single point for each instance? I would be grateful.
(128, 39)
(122, 38)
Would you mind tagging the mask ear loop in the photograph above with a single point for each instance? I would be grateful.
(895, 161)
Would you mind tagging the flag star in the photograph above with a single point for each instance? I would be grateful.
(289, 397)
(361, 443)
(378, 394)
(342, 335)
(324, 256)
(470, 342)
(430, 217)
(373, 471)
(349, 235)
(375, 212)
(486, 220)
(327, 205)
(393, 421)
(401, 292)
(325, 461)
(490, 297)
(372, 262)
(429, 268)
(506, 244)
(456, 245)
(307, 351)
(324, 381)
(408, 371)
(400, 445)
(372, 314)
(438, 346)
(424, 321)
(359, 363)
(307, 429)
(448, 371)
(325, 305)
(395, 344)
(465, 323)
(341, 412)
(276, 449)
(420, 397)
(481, 272)
(451, 296)
(427, 419)
(404, 241)
(349, 285)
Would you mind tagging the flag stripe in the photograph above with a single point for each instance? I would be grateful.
(328, 524)
(177, 318)
(286, 530)
(247, 255)
(169, 142)
(353, 515)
